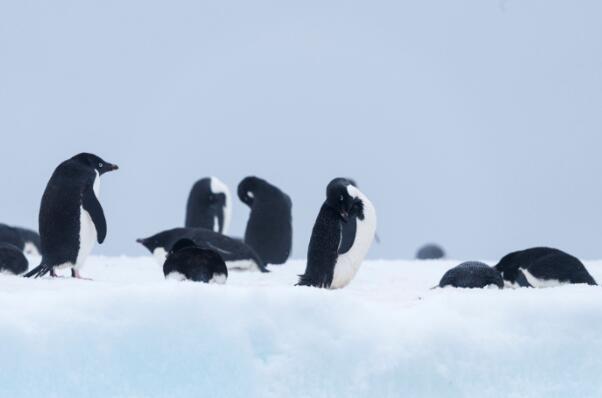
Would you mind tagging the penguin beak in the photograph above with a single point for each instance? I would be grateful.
(141, 241)
(113, 167)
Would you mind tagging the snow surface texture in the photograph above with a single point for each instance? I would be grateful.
(131, 333)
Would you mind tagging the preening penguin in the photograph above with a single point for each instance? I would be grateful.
(71, 217)
(235, 253)
(209, 205)
(269, 229)
(333, 262)
(543, 267)
(187, 261)
(472, 274)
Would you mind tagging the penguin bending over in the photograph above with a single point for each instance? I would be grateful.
(543, 267)
(71, 217)
(26, 240)
(269, 229)
(12, 259)
(472, 274)
(235, 253)
(333, 262)
(209, 205)
(187, 261)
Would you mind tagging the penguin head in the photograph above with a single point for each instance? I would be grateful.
(343, 197)
(95, 162)
(248, 188)
(207, 193)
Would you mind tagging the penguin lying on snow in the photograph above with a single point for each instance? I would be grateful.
(430, 251)
(269, 229)
(71, 217)
(331, 261)
(472, 274)
(12, 259)
(543, 267)
(187, 261)
(209, 206)
(235, 253)
(26, 240)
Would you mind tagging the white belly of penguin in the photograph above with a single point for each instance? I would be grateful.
(87, 230)
(349, 263)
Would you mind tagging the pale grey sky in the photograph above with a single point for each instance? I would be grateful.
(476, 124)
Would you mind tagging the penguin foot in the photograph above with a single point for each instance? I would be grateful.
(75, 273)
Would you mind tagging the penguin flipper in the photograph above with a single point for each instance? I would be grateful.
(92, 206)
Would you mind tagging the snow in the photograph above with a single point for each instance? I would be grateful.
(131, 333)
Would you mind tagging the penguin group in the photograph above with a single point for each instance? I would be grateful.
(72, 221)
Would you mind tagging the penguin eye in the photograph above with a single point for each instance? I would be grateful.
(341, 198)
(100, 165)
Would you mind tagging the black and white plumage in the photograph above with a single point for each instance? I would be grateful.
(430, 251)
(187, 261)
(472, 274)
(333, 262)
(71, 217)
(26, 240)
(543, 267)
(236, 253)
(12, 259)
(209, 205)
(269, 229)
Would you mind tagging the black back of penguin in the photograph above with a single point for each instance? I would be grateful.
(543, 264)
(327, 236)
(269, 229)
(12, 259)
(11, 235)
(208, 205)
(472, 274)
(70, 188)
(188, 261)
(231, 250)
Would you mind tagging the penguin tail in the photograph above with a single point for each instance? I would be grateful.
(38, 271)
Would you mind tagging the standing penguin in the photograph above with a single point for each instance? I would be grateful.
(187, 261)
(331, 261)
(209, 205)
(269, 229)
(71, 217)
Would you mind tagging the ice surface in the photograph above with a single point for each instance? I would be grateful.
(130, 333)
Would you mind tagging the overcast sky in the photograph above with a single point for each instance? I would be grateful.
(476, 124)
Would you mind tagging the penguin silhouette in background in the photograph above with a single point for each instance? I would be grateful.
(209, 205)
(269, 229)
(71, 217)
(331, 261)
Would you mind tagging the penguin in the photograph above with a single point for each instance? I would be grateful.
(12, 259)
(71, 218)
(269, 229)
(543, 267)
(209, 206)
(236, 254)
(430, 251)
(187, 261)
(26, 240)
(331, 261)
(472, 274)
(33, 244)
